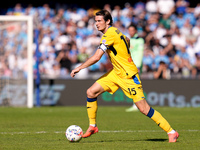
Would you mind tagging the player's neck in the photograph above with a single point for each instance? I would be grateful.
(105, 30)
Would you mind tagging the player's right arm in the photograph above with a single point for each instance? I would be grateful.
(92, 60)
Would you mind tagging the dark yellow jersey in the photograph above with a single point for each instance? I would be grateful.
(116, 45)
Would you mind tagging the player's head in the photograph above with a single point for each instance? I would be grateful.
(132, 29)
(103, 20)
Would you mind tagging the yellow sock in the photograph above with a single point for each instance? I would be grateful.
(159, 120)
(92, 111)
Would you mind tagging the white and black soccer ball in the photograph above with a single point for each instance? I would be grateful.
(73, 133)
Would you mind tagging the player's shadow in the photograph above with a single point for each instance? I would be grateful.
(156, 140)
(107, 141)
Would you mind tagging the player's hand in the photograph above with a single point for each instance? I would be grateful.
(74, 72)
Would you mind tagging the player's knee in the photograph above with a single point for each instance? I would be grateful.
(143, 106)
(143, 110)
(90, 94)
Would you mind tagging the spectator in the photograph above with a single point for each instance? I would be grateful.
(197, 11)
(151, 6)
(166, 25)
(162, 57)
(48, 66)
(139, 7)
(162, 72)
(18, 10)
(196, 29)
(73, 54)
(157, 47)
(141, 24)
(165, 21)
(183, 62)
(189, 15)
(30, 10)
(152, 22)
(107, 7)
(191, 49)
(166, 6)
(196, 70)
(197, 45)
(180, 20)
(178, 40)
(186, 29)
(148, 59)
(82, 55)
(116, 13)
(168, 47)
(161, 66)
(64, 61)
(59, 17)
(181, 6)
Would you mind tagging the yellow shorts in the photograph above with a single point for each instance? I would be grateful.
(131, 87)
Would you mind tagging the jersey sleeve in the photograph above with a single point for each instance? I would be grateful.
(106, 42)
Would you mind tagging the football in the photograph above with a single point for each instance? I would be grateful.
(73, 133)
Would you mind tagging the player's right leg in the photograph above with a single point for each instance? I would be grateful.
(92, 93)
(103, 84)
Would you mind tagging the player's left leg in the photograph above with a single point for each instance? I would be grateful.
(134, 108)
(134, 90)
(144, 107)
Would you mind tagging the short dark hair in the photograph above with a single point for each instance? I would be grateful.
(133, 25)
(106, 15)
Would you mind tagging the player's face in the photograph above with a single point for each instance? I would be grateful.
(101, 24)
(131, 31)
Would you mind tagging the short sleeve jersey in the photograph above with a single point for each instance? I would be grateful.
(115, 44)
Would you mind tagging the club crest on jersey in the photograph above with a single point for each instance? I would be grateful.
(104, 41)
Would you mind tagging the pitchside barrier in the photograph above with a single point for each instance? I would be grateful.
(172, 93)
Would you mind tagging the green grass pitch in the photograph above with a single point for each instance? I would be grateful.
(44, 128)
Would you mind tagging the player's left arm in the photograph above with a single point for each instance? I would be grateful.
(92, 60)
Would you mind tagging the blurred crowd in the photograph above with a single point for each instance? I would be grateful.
(68, 36)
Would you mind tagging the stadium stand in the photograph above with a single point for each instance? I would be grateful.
(68, 37)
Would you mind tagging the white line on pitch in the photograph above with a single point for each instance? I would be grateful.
(102, 131)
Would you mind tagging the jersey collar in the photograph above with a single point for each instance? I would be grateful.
(107, 29)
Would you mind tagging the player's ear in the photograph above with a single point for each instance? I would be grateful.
(108, 22)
